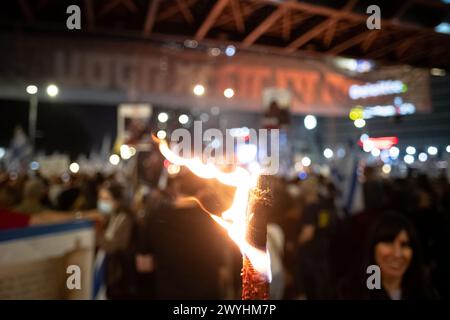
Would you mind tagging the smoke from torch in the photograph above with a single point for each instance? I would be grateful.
(245, 225)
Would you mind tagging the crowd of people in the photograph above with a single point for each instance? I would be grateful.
(161, 243)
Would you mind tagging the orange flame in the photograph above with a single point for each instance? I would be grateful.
(233, 220)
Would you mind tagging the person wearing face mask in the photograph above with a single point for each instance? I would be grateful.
(116, 241)
(394, 247)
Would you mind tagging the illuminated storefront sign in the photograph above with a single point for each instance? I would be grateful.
(381, 111)
(380, 88)
(380, 143)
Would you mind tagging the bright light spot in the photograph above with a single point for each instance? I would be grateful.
(163, 117)
(303, 175)
(432, 151)
(354, 65)
(437, 72)
(173, 169)
(443, 27)
(359, 123)
(114, 159)
(356, 113)
(190, 44)
(228, 93)
(384, 156)
(239, 132)
(423, 157)
(74, 167)
(65, 177)
(34, 165)
(161, 134)
(230, 50)
(386, 169)
(446, 149)
(368, 146)
(199, 90)
(306, 161)
(398, 101)
(394, 152)
(408, 159)
(2, 152)
(328, 153)
(125, 152)
(183, 119)
(375, 152)
(340, 152)
(52, 90)
(254, 167)
(298, 166)
(364, 137)
(32, 89)
(246, 152)
(214, 52)
(410, 150)
(132, 151)
(310, 122)
(204, 117)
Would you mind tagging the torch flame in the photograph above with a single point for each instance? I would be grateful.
(234, 220)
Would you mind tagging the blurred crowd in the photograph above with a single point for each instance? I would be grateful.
(160, 242)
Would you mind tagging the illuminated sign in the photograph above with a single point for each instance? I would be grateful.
(380, 88)
(380, 143)
(388, 110)
(381, 111)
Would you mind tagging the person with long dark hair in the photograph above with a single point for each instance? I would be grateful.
(393, 246)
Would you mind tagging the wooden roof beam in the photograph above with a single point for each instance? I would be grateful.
(210, 19)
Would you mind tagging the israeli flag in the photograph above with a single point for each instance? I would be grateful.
(99, 291)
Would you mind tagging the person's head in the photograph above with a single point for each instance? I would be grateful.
(369, 173)
(34, 190)
(310, 190)
(394, 247)
(110, 198)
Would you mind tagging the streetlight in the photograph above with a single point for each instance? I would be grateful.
(183, 119)
(306, 161)
(199, 90)
(52, 90)
(32, 114)
(310, 122)
(328, 153)
(432, 151)
(228, 93)
(163, 117)
(359, 123)
(32, 90)
(411, 150)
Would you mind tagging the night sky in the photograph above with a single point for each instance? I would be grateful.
(66, 128)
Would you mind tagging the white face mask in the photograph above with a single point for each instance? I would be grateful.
(105, 207)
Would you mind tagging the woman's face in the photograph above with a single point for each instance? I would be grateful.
(106, 202)
(394, 257)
